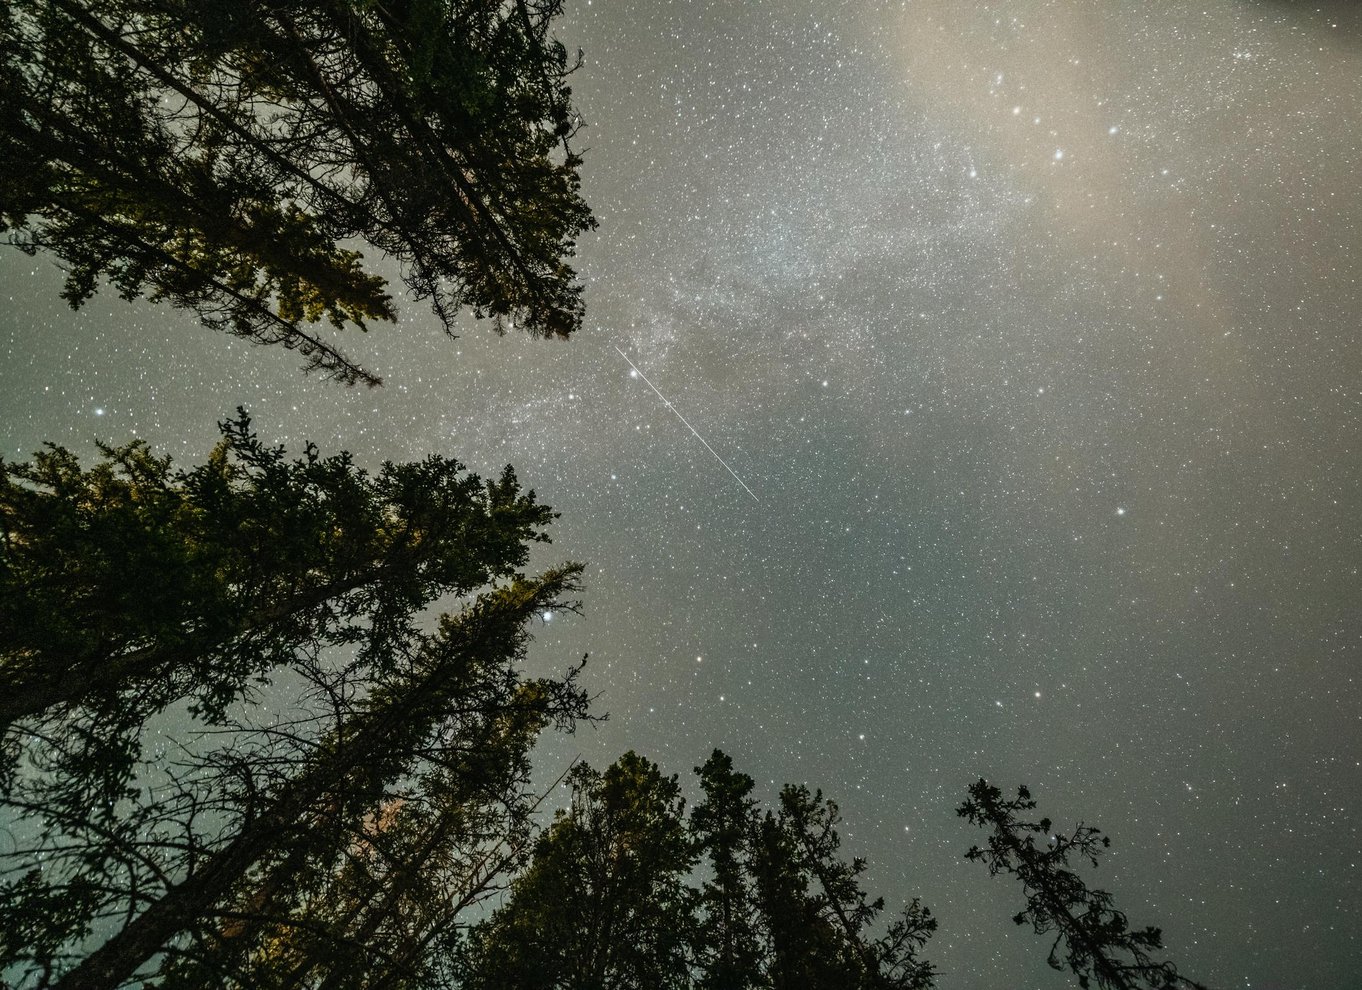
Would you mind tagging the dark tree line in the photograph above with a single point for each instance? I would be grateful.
(217, 155)
(610, 897)
(393, 800)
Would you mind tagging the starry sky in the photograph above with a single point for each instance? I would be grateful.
(1031, 327)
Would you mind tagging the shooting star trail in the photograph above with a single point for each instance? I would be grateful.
(689, 427)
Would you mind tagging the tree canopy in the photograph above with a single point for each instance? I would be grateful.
(219, 157)
(612, 898)
(130, 586)
(379, 827)
(225, 906)
(1093, 940)
(127, 585)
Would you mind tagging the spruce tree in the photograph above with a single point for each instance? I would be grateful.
(220, 900)
(1093, 940)
(801, 945)
(729, 951)
(612, 898)
(818, 918)
(130, 584)
(381, 909)
(216, 156)
(604, 902)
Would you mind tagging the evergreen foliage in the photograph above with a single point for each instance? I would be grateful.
(604, 901)
(216, 156)
(609, 899)
(131, 584)
(1093, 940)
(458, 702)
(819, 918)
(729, 943)
(225, 157)
(356, 840)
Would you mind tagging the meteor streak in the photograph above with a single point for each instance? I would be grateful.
(689, 427)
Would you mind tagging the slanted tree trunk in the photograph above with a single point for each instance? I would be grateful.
(349, 769)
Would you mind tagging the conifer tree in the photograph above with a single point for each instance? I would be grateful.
(216, 156)
(728, 941)
(819, 920)
(456, 703)
(1093, 940)
(383, 912)
(130, 584)
(801, 947)
(611, 898)
(604, 901)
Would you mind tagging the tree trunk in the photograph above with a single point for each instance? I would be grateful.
(376, 745)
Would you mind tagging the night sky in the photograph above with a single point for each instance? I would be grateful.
(1032, 329)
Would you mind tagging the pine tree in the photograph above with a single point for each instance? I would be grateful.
(817, 916)
(129, 585)
(457, 700)
(604, 901)
(1093, 940)
(728, 940)
(216, 155)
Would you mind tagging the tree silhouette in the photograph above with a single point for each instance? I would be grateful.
(1093, 940)
(819, 918)
(129, 585)
(728, 938)
(604, 901)
(216, 155)
(611, 897)
(379, 907)
(455, 703)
